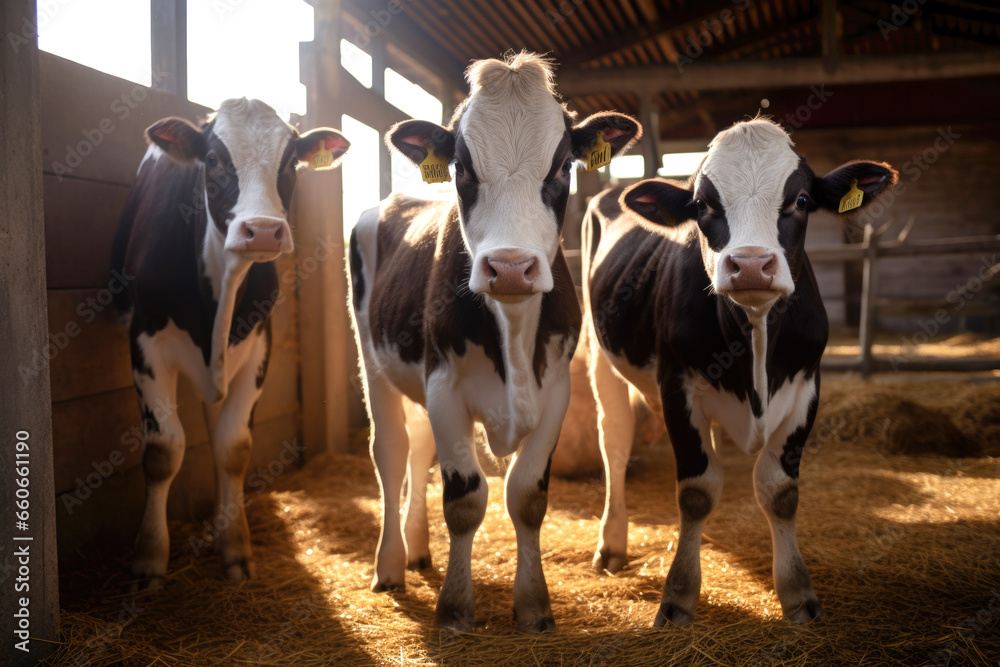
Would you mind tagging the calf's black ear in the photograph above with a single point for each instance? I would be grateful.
(179, 139)
(411, 137)
(873, 179)
(321, 149)
(620, 131)
(662, 202)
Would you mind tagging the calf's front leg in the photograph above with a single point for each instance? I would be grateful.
(465, 496)
(699, 485)
(776, 485)
(162, 455)
(229, 426)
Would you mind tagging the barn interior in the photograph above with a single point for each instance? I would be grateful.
(899, 516)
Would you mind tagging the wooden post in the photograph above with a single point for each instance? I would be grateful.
(379, 60)
(168, 43)
(324, 330)
(831, 41)
(29, 576)
(649, 116)
(869, 293)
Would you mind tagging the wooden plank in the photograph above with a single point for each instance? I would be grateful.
(790, 72)
(25, 415)
(324, 332)
(80, 222)
(93, 123)
(89, 348)
(103, 434)
(84, 522)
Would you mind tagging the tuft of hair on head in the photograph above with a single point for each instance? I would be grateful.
(752, 130)
(518, 72)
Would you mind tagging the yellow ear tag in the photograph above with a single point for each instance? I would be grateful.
(852, 199)
(434, 168)
(321, 159)
(600, 153)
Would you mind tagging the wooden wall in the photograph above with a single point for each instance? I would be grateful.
(955, 195)
(98, 475)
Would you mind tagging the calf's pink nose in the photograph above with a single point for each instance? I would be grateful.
(262, 235)
(512, 275)
(756, 272)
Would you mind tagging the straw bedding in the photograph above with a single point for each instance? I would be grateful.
(904, 552)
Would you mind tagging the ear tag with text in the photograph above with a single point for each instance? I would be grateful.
(434, 168)
(321, 159)
(852, 199)
(600, 153)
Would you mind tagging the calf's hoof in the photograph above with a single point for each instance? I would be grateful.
(454, 618)
(145, 577)
(674, 613)
(806, 611)
(238, 570)
(387, 585)
(536, 624)
(419, 563)
(610, 561)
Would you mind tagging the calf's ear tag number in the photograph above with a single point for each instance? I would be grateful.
(434, 168)
(600, 154)
(852, 199)
(321, 159)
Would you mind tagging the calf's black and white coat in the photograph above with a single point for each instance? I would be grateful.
(701, 296)
(200, 230)
(468, 308)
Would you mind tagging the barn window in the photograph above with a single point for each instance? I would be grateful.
(680, 165)
(411, 98)
(628, 166)
(251, 53)
(360, 169)
(357, 63)
(112, 36)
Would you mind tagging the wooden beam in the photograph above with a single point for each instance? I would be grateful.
(674, 21)
(400, 30)
(25, 410)
(324, 331)
(831, 39)
(782, 73)
(168, 43)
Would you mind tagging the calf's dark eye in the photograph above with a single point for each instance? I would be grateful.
(212, 160)
(701, 206)
(459, 169)
(802, 203)
(568, 165)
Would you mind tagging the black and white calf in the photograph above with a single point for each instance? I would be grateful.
(468, 308)
(702, 298)
(203, 223)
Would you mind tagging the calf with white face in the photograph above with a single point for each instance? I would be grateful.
(206, 218)
(702, 297)
(468, 308)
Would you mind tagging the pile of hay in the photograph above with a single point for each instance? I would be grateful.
(904, 553)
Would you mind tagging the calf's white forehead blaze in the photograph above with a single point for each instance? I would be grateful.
(749, 165)
(512, 128)
(256, 139)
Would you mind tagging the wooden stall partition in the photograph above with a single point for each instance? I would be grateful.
(92, 142)
(28, 566)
